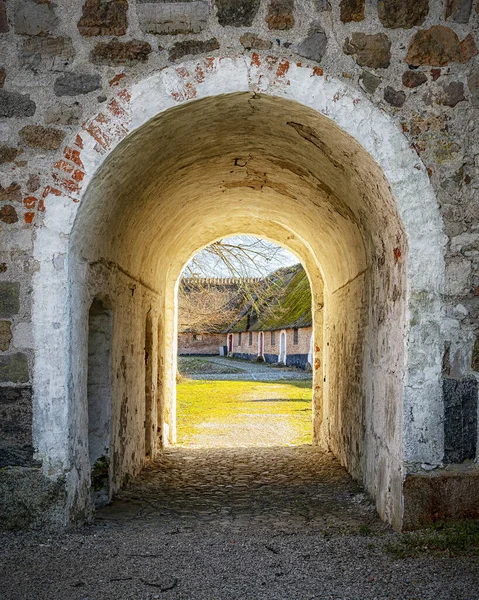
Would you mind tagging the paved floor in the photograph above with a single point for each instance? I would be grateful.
(252, 524)
(252, 371)
(255, 523)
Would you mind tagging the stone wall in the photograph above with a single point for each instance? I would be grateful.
(66, 65)
(200, 344)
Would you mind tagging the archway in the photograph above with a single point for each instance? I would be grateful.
(277, 154)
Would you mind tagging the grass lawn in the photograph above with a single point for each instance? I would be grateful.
(244, 413)
(192, 365)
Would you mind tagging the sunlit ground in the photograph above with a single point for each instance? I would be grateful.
(243, 413)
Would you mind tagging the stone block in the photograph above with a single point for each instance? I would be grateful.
(63, 114)
(76, 84)
(452, 94)
(100, 17)
(12, 193)
(438, 496)
(402, 13)
(52, 53)
(438, 46)
(473, 85)
(372, 51)
(8, 214)
(14, 104)
(46, 138)
(34, 18)
(250, 41)
(14, 368)
(458, 10)
(237, 13)
(164, 17)
(5, 335)
(8, 154)
(314, 45)
(394, 97)
(3, 76)
(29, 500)
(458, 272)
(412, 79)
(193, 47)
(460, 419)
(369, 81)
(115, 53)
(352, 10)
(280, 14)
(3, 17)
(9, 298)
(16, 426)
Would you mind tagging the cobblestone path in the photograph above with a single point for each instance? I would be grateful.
(279, 488)
(252, 371)
(232, 524)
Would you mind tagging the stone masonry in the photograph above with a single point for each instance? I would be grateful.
(69, 64)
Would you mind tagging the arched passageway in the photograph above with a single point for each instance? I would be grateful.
(249, 162)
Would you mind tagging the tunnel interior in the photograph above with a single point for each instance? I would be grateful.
(243, 164)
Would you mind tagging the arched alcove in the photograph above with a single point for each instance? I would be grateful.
(306, 164)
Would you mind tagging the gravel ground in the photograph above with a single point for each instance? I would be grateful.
(252, 371)
(231, 524)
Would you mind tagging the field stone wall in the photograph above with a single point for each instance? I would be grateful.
(61, 61)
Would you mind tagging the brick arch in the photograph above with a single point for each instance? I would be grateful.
(131, 108)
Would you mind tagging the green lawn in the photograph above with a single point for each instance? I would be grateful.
(243, 413)
(193, 365)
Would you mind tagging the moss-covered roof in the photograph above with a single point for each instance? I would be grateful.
(285, 303)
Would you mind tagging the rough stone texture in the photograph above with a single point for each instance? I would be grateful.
(14, 368)
(439, 496)
(452, 94)
(352, 10)
(37, 136)
(3, 17)
(75, 84)
(16, 426)
(3, 76)
(100, 17)
(8, 154)
(251, 41)
(63, 114)
(460, 419)
(473, 85)
(34, 18)
(172, 18)
(5, 335)
(237, 13)
(369, 81)
(52, 53)
(29, 500)
(192, 47)
(116, 53)
(9, 298)
(393, 97)
(14, 104)
(458, 10)
(372, 51)
(280, 14)
(439, 46)
(402, 13)
(314, 45)
(412, 79)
